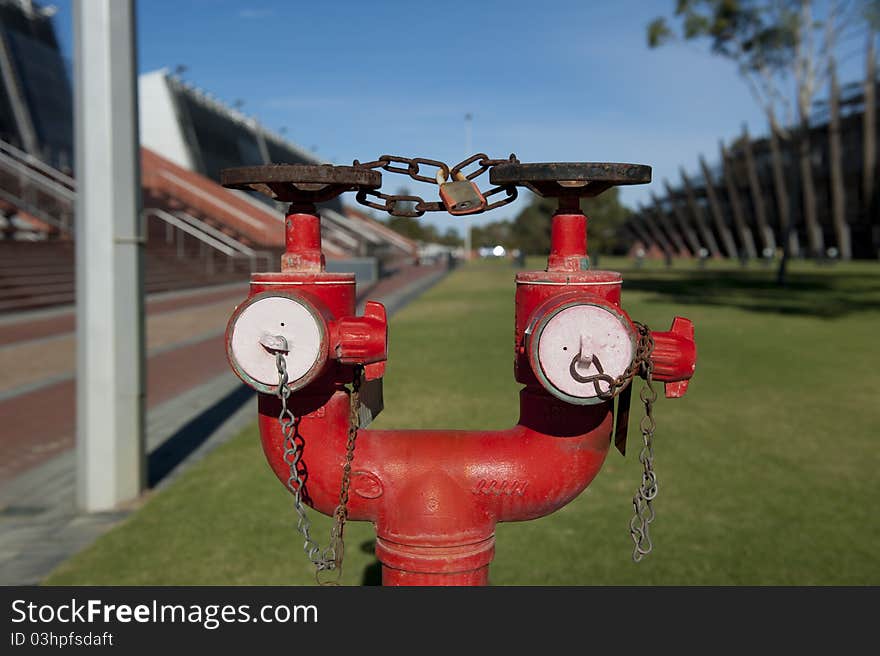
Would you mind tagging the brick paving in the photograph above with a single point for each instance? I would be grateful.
(59, 321)
(194, 403)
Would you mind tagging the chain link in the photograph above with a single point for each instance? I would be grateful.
(639, 525)
(330, 558)
(340, 514)
(642, 359)
(416, 206)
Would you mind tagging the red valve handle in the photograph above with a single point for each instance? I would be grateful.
(675, 356)
(364, 340)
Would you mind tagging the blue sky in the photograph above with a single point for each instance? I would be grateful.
(553, 81)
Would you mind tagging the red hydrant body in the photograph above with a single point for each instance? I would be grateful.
(435, 496)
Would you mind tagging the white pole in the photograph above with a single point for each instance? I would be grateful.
(109, 267)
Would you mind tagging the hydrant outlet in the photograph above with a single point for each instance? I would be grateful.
(576, 342)
(435, 497)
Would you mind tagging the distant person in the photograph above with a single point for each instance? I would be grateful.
(703, 256)
(640, 257)
(831, 255)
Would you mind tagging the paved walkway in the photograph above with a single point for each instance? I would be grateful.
(194, 404)
(184, 345)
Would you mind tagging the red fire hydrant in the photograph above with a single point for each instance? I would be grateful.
(435, 496)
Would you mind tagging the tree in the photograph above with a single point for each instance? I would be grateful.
(775, 43)
(494, 234)
(450, 238)
(407, 226)
(530, 231)
(531, 228)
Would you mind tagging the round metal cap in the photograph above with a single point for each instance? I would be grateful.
(268, 324)
(580, 179)
(576, 343)
(306, 183)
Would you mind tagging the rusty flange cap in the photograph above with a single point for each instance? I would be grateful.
(579, 179)
(304, 183)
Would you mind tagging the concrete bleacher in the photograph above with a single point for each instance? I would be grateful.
(197, 233)
(37, 255)
(35, 274)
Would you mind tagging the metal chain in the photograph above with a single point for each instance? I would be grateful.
(340, 514)
(415, 206)
(330, 558)
(644, 349)
(639, 525)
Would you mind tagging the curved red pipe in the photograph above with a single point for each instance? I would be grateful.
(432, 493)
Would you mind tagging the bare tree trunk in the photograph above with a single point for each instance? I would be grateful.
(869, 143)
(766, 232)
(745, 234)
(814, 230)
(838, 193)
(805, 80)
(787, 233)
(787, 236)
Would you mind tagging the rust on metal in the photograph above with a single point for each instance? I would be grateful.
(621, 426)
(415, 206)
(571, 179)
(307, 183)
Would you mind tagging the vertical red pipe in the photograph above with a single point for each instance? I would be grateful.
(426, 564)
(401, 577)
(302, 241)
(568, 243)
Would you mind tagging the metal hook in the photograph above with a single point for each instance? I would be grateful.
(274, 343)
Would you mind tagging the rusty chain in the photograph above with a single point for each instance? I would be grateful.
(416, 206)
(647, 491)
(642, 359)
(330, 558)
(642, 500)
(340, 514)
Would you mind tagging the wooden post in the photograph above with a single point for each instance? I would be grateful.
(687, 230)
(635, 225)
(697, 212)
(717, 215)
(745, 233)
(767, 237)
(659, 237)
(670, 229)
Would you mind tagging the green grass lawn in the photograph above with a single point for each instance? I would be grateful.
(768, 468)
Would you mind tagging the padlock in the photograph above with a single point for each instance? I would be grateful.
(460, 196)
